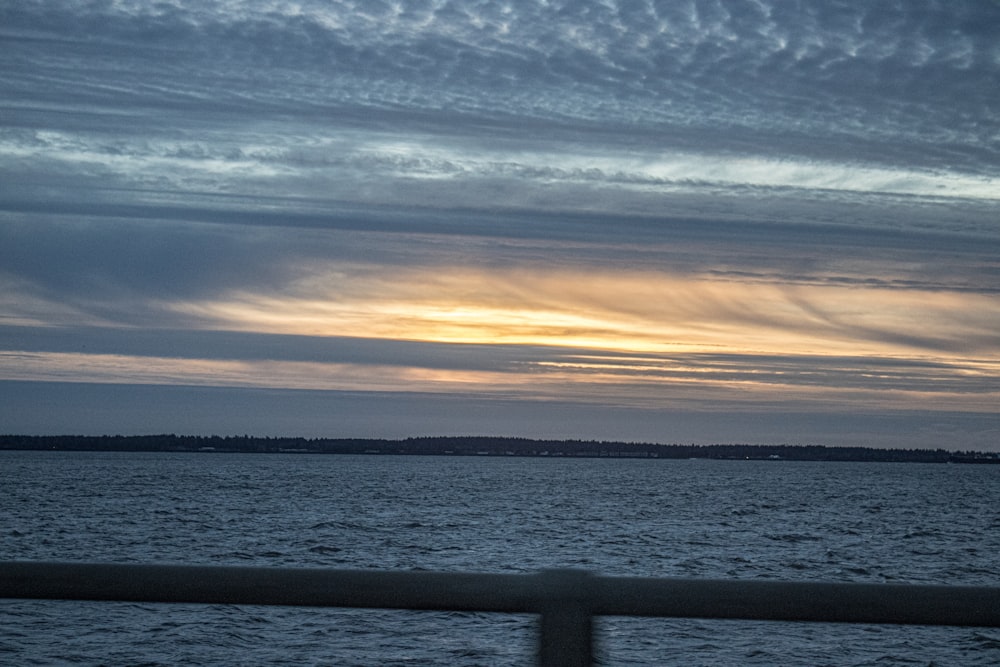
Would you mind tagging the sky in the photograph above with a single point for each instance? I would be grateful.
(753, 221)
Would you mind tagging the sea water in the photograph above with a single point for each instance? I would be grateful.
(776, 520)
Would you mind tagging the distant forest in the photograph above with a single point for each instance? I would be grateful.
(482, 446)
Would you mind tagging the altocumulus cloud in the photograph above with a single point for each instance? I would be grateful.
(702, 220)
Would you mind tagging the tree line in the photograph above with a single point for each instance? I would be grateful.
(483, 446)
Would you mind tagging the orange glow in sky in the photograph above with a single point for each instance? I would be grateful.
(618, 311)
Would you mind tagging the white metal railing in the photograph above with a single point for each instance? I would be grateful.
(565, 600)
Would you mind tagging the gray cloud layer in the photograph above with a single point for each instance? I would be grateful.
(909, 83)
(105, 254)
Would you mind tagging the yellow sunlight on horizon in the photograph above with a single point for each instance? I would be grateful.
(618, 311)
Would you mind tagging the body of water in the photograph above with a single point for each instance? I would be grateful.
(858, 522)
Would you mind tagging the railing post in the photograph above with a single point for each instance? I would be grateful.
(566, 633)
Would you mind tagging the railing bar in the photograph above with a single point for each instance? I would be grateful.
(908, 604)
(516, 593)
(269, 586)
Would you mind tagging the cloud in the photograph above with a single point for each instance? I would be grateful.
(222, 345)
(610, 309)
(165, 265)
(604, 335)
(905, 86)
(647, 382)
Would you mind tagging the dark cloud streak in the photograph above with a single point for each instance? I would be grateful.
(632, 370)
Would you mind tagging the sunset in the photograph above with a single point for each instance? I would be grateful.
(694, 223)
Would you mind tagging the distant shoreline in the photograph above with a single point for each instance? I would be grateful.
(483, 446)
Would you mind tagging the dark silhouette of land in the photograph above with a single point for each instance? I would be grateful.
(483, 446)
